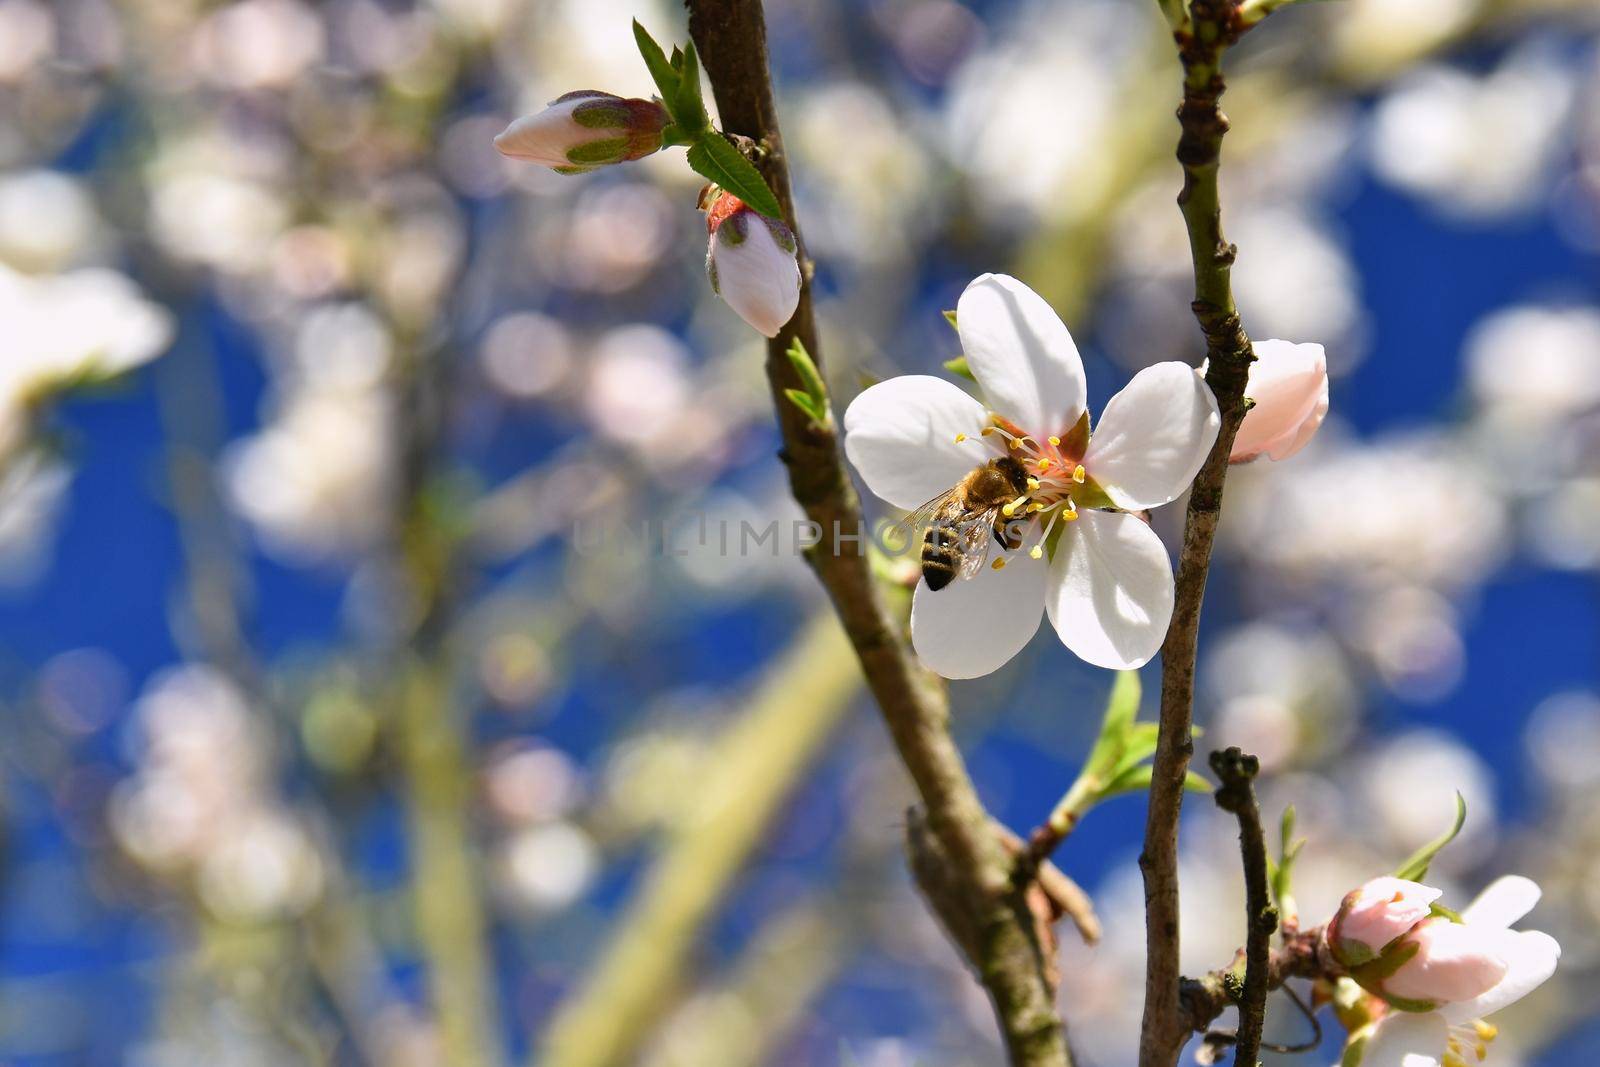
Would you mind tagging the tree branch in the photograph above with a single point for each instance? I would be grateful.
(1237, 773)
(1214, 28)
(731, 38)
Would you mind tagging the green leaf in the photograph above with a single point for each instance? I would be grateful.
(950, 317)
(1196, 784)
(1281, 873)
(806, 369)
(661, 71)
(1105, 760)
(688, 106)
(713, 156)
(802, 400)
(1133, 780)
(1416, 868)
(958, 366)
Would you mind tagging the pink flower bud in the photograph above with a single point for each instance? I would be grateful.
(1444, 963)
(584, 130)
(1289, 384)
(1375, 915)
(753, 263)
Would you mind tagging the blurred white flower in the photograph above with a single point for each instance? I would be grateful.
(547, 867)
(1411, 635)
(265, 868)
(532, 783)
(47, 220)
(1474, 145)
(1295, 278)
(61, 330)
(27, 36)
(1563, 738)
(1410, 785)
(315, 481)
(258, 44)
(1535, 362)
(1028, 116)
(526, 354)
(1408, 508)
(1286, 693)
(639, 384)
(1374, 36)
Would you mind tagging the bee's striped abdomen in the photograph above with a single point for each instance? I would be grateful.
(939, 557)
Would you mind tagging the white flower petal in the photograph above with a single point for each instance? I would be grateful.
(1022, 354)
(1153, 436)
(1503, 902)
(901, 436)
(1110, 594)
(1407, 1039)
(758, 277)
(1531, 959)
(973, 626)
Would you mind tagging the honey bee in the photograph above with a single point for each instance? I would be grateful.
(959, 524)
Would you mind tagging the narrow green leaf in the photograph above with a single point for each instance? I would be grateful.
(661, 71)
(689, 107)
(806, 368)
(1135, 779)
(950, 317)
(958, 366)
(1123, 705)
(1196, 784)
(1109, 757)
(713, 156)
(800, 399)
(1416, 868)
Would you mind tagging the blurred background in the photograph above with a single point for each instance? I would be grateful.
(322, 742)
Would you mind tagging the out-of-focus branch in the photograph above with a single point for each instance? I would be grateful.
(731, 38)
(743, 1020)
(1214, 28)
(749, 775)
(1302, 955)
(1237, 795)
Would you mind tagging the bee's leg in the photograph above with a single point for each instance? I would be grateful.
(1003, 533)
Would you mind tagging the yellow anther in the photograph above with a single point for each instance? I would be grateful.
(1451, 1059)
(1033, 483)
(1079, 474)
(1044, 464)
(1487, 1031)
(1055, 440)
(1070, 515)
(986, 431)
(960, 437)
(1035, 506)
(999, 564)
(1036, 552)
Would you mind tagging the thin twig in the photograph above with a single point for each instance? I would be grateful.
(731, 38)
(1237, 795)
(1228, 349)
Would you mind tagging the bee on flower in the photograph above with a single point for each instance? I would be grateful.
(1019, 476)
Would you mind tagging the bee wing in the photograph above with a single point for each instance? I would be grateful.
(913, 524)
(974, 535)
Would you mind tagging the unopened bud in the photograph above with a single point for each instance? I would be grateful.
(753, 263)
(1372, 917)
(1289, 386)
(584, 130)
